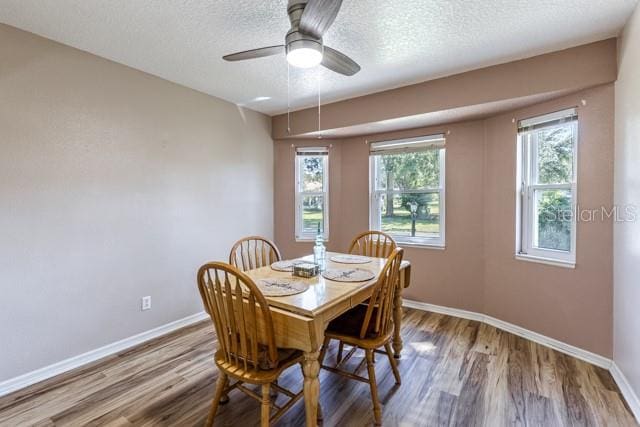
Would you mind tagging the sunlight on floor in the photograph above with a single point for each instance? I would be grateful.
(423, 347)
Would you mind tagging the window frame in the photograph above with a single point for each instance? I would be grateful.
(424, 143)
(300, 154)
(527, 186)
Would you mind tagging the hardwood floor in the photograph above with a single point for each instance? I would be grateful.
(454, 372)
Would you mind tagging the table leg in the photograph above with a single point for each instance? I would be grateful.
(397, 323)
(311, 369)
(397, 313)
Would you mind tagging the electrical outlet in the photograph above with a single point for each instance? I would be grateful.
(146, 303)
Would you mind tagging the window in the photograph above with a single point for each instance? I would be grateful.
(312, 186)
(546, 184)
(407, 189)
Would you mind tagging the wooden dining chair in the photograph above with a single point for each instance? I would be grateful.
(253, 252)
(373, 243)
(247, 350)
(369, 327)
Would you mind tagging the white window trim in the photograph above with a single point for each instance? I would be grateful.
(525, 225)
(300, 195)
(435, 142)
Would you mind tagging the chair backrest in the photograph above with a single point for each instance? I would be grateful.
(240, 314)
(378, 318)
(373, 243)
(253, 252)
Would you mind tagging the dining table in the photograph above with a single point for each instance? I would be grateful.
(301, 319)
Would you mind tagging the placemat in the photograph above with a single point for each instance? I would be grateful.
(286, 265)
(348, 274)
(350, 259)
(281, 287)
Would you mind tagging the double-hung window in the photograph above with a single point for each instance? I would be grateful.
(547, 154)
(312, 190)
(407, 195)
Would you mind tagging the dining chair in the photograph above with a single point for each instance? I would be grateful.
(247, 350)
(373, 243)
(369, 327)
(253, 252)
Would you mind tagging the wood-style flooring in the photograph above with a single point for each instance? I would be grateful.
(454, 372)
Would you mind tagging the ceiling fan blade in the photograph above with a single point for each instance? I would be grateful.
(318, 15)
(339, 62)
(255, 53)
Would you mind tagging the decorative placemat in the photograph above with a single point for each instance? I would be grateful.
(281, 287)
(348, 274)
(350, 259)
(286, 265)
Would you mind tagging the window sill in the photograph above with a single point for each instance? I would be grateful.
(436, 246)
(309, 240)
(548, 261)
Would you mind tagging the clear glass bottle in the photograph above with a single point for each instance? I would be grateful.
(319, 250)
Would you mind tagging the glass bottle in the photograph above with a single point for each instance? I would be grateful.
(319, 250)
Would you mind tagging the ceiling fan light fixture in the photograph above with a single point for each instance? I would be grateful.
(304, 53)
(303, 45)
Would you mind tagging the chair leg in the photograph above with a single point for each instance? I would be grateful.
(339, 354)
(323, 350)
(392, 362)
(265, 412)
(377, 410)
(220, 386)
(224, 399)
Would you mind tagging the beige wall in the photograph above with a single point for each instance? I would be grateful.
(284, 214)
(437, 274)
(113, 185)
(627, 193)
(349, 211)
(477, 270)
(568, 70)
(572, 305)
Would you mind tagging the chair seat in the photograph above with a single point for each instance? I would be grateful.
(346, 327)
(286, 358)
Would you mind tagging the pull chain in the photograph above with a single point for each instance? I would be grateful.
(319, 111)
(288, 100)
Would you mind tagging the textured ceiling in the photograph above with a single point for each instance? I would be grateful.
(397, 42)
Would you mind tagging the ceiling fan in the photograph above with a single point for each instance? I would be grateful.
(304, 48)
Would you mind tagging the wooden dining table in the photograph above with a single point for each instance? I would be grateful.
(300, 320)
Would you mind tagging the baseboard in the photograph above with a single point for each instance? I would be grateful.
(66, 365)
(560, 346)
(633, 400)
(455, 312)
(553, 343)
(74, 362)
(625, 388)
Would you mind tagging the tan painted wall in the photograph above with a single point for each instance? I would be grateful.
(113, 185)
(574, 306)
(477, 271)
(570, 70)
(626, 333)
(284, 214)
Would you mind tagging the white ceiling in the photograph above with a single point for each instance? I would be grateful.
(397, 42)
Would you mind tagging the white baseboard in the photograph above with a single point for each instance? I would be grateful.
(66, 365)
(629, 394)
(553, 343)
(74, 362)
(560, 346)
(625, 388)
(455, 312)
